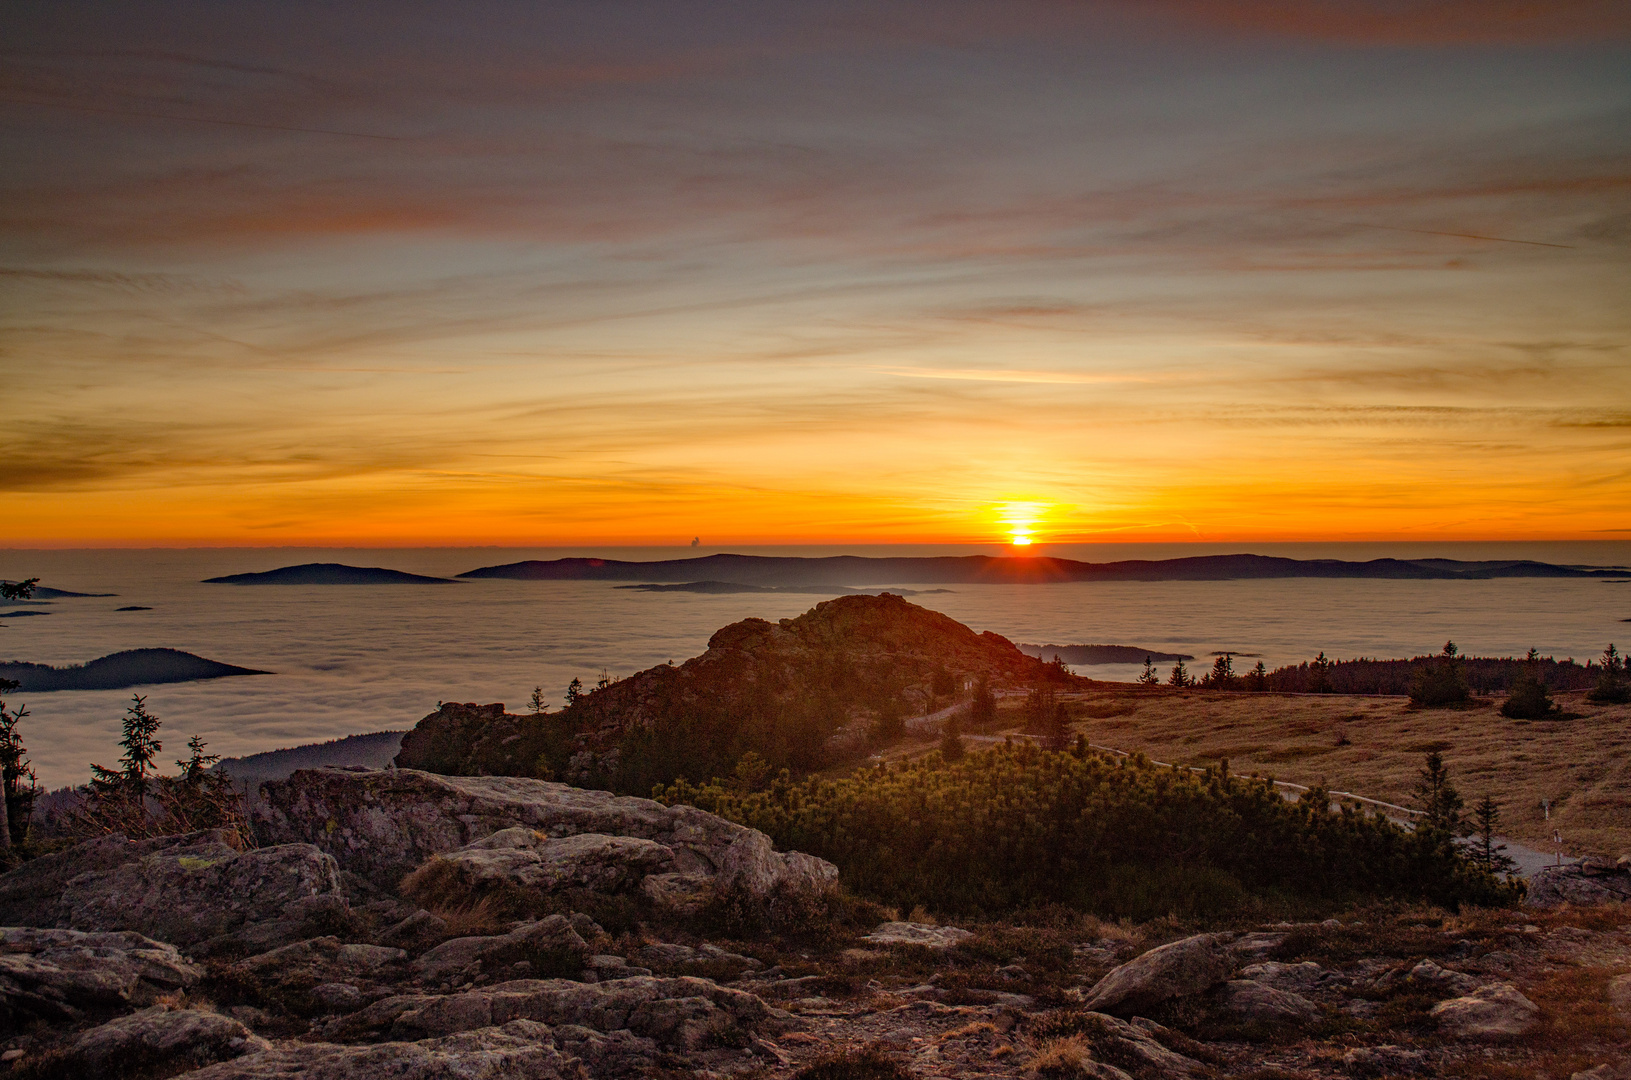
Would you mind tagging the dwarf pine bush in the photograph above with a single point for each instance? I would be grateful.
(1018, 826)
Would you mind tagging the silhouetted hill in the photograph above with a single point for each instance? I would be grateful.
(802, 693)
(374, 751)
(1100, 654)
(856, 570)
(723, 587)
(134, 667)
(328, 574)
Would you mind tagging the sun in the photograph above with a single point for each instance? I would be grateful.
(1019, 520)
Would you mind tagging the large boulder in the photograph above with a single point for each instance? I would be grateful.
(1247, 1001)
(520, 1050)
(188, 890)
(1137, 1048)
(534, 834)
(550, 945)
(1619, 995)
(1495, 1011)
(911, 933)
(29, 894)
(1594, 882)
(48, 974)
(163, 1035)
(677, 1014)
(1183, 968)
(680, 1013)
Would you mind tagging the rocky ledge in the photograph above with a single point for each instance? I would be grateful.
(498, 834)
(419, 927)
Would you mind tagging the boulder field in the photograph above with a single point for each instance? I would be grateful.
(321, 953)
(537, 836)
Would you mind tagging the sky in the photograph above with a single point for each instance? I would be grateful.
(624, 273)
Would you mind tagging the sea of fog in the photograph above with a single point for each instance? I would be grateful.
(352, 659)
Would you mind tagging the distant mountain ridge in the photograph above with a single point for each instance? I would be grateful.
(328, 574)
(373, 750)
(858, 570)
(121, 670)
(1100, 654)
(724, 587)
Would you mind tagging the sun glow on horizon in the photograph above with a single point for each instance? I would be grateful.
(1020, 519)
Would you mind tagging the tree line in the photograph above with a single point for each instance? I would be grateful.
(1445, 678)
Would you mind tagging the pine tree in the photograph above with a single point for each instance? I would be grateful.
(1611, 688)
(1222, 675)
(982, 707)
(951, 739)
(1149, 677)
(1442, 817)
(14, 769)
(1179, 677)
(574, 691)
(1319, 674)
(141, 745)
(536, 701)
(1257, 679)
(1439, 682)
(1056, 730)
(1040, 706)
(1529, 699)
(1485, 852)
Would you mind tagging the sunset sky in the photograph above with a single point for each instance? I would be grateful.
(615, 272)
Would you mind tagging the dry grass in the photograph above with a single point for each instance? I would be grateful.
(870, 1063)
(1063, 1059)
(1583, 766)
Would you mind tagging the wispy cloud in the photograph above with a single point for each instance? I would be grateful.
(610, 265)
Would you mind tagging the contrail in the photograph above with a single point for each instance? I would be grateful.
(1462, 235)
(199, 119)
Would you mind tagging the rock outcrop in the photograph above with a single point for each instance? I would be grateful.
(1250, 1002)
(1498, 1010)
(1137, 1048)
(1591, 881)
(807, 678)
(520, 1050)
(532, 834)
(1181, 968)
(163, 1036)
(50, 974)
(911, 933)
(186, 890)
(550, 945)
(683, 1013)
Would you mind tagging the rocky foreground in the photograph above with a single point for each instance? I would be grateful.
(402, 924)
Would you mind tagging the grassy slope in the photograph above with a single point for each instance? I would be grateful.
(1583, 766)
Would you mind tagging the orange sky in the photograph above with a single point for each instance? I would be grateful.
(815, 273)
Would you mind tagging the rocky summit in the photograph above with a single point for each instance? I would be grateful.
(803, 692)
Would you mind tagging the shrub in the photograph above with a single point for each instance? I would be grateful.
(1017, 827)
(1611, 688)
(1440, 683)
(1529, 700)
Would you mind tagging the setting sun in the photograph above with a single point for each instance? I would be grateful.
(1019, 520)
